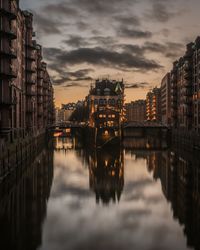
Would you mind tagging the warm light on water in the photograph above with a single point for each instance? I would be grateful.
(141, 219)
(73, 197)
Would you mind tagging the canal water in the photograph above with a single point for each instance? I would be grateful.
(131, 197)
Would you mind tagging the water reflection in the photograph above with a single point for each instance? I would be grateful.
(117, 198)
(23, 204)
(179, 173)
(106, 174)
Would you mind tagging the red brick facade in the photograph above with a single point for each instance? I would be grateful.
(26, 93)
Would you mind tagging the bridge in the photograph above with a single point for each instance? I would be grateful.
(143, 129)
(145, 124)
(65, 125)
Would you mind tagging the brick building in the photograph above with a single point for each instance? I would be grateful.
(26, 93)
(185, 89)
(166, 99)
(136, 111)
(106, 102)
(153, 105)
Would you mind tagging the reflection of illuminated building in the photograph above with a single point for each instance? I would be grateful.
(180, 179)
(66, 143)
(145, 142)
(23, 205)
(106, 169)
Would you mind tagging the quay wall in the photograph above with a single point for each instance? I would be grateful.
(188, 140)
(19, 153)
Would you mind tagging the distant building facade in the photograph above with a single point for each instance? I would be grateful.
(66, 111)
(185, 90)
(26, 93)
(136, 111)
(166, 100)
(153, 105)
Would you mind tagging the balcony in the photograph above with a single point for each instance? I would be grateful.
(30, 55)
(39, 82)
(7, 73)
(30, 91)
(30, 80)
(31, 46)
(8, 52)
(40, 74)
(31, 67)
(8, 9)
(7, 31)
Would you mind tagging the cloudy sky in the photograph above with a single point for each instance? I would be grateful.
(136, 40)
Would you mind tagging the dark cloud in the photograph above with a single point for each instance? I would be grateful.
(61, 80)
(125, 31)
(102, 57)
(76, 41)
(160, 12)
(75, 85)
(47, 25)
(71, 78)
(62, 8)
(102, 7)
(169, 49)
(79, 74)
(137, 85)
(103, 40)
(131, 48)
(128, 20)
(81, 25)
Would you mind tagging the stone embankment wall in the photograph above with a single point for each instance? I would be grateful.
(19, 153)
(184, 139)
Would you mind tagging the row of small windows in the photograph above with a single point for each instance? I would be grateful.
(106, 91)
(105, 101)
(104, 116)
